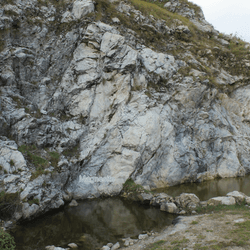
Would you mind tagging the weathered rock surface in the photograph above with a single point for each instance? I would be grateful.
(238, 196)
(169, 207)
(113, 103)
(222, 200)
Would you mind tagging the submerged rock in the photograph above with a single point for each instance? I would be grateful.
(73, 203)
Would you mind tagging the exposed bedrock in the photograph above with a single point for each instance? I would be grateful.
(86, 105)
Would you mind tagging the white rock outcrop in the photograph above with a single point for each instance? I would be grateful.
(82, 8)
(103, 102)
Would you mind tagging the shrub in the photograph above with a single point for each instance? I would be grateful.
(6, 241)
(31, 153)
(9, 203)
(34, 201)
(54, 158)
(131, 187)
(73, 151)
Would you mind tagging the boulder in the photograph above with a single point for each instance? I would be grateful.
(187, 200)
(169, 207)
(142, 236)
(160, 199)
(247, 200)
(221, 201)
(82, 8)
(238, 196)
(145, 198)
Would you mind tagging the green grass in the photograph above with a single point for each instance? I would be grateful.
(241, 233)
(194, 222)
(25, 148)
(179, 241)
(156, 245)
(31, 153)
(34, 201)
(37, 160)
(131, 187)
(179, 244)
(54, 158)
(39, 171)
(218, 208)
(70, 152)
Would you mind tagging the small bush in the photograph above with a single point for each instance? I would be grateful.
(37, 160)
(6, 241)
(34, 201)
(71, 151)
(54, 158)
(12, 163)
(39, 171)
(194, 222)
(130, 187)
(9, 203)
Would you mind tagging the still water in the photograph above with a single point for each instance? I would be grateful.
(91, 225)
(208, 189)
(94, 223)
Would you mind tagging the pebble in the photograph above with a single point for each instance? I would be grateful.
(73, 203)
(115, 246)
(239, 220)
(72, 245)
(142, 236)
(105, 248)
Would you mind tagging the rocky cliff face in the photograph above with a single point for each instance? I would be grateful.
(94, 93)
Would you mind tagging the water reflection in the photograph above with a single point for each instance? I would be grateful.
(213, 188)
(91, 225)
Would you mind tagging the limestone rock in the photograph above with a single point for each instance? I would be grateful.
(115, 246)
(105, 248)
(29, 211)
(247, 200)
(145, 198)
(82, 7)
(112, 102)
(73, 203)
(188, 200)
(72, 245)
(238, 196)
(169, 207)
(222, 200)
(142, 236)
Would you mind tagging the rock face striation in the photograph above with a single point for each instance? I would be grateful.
(95, 93)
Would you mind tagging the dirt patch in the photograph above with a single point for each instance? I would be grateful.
(217, 230)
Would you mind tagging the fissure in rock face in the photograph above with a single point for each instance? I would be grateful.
(95, 93)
